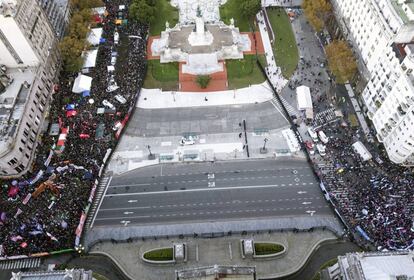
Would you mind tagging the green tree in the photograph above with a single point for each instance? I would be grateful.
(250, 8)
(317, 12)
(71, 49)
(203, 80)
(141, 10)
(341, 61)
(86, 4)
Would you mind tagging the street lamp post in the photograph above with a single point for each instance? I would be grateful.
(151, 155)
(263, 150)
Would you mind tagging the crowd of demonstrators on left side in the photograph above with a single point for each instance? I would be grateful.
(41, 212)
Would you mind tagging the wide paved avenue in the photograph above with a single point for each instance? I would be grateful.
(212, 191)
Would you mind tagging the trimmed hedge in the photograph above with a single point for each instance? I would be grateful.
(164, 254)
(267, 248)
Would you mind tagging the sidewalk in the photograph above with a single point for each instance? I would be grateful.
(157, 99)
(132, 151)
(274, 71)
(359, 113)
(223, 251)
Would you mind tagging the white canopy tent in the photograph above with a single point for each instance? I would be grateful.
(94, 36)
(304, 98)
(89, 58)
(82, 83)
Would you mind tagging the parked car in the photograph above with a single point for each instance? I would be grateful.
(187, 141)
(108, 104)
(120, 99)
(321, 149)
(313, 134)
(322, 136)
(310, 146)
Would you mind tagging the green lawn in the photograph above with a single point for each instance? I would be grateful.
(244, 72)
(162, 75)
(164, 254)
(284, 48)
(267, 248)
(164, 12)
(232, 10)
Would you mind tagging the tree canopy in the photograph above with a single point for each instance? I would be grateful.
(74, 42)
(250, 8)
(142, 11)
(316, 12)
(341, 61)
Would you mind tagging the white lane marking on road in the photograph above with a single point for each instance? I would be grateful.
(117, 218)
(195, 190)
(126, 208)
(123, 186)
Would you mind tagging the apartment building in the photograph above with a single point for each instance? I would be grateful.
(58, 13)
(382, 32)
(29, 67)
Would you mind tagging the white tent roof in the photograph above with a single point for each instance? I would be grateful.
(94, 36)
(387, 267)
(304, 98)
(89, 58)
(99, 10)
(82, 83)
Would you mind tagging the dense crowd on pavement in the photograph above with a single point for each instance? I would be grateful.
(40, 212)
(374, 197)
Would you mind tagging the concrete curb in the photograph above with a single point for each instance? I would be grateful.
(270, 256)
(145, 260)
(302, 264)
(120, 267)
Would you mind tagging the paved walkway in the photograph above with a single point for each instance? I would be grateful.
(359, 113)
(274, 71)
(158, 99)
(208, 147)
(188, 82)
(223, 251)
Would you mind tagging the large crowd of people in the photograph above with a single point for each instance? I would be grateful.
(374, 197)
(41, 211)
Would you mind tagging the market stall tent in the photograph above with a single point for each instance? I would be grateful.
(89, 58)
(82, 83)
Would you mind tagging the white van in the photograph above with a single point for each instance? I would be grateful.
(313, 134)
(321, 149)
(323, 137)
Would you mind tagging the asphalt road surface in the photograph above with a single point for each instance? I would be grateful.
(183, 193)
(204, 120)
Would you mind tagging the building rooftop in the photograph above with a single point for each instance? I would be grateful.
(14, 90)
(404, 9)
(378, 266)
(72, 274)
(217, 272)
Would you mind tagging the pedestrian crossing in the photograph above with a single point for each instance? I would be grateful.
(100, 192)
(289, 108)
(324, 117)
(12, 264)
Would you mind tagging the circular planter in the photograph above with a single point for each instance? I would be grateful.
(264, 250)
(163, 255)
